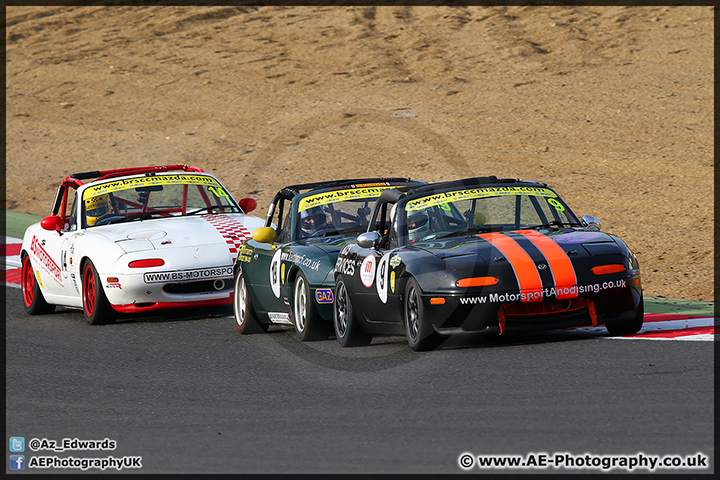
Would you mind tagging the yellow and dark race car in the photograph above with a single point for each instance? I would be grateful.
(481, 255)
(284, 275)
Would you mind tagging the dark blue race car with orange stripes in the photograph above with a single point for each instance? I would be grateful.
(482, 255)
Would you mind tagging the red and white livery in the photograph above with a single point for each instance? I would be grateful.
(135, 240)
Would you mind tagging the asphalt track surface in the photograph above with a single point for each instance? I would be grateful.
(188, 394)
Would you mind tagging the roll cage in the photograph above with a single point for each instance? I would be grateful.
(61, 218)
(75, 180)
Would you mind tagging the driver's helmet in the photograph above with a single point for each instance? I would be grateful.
(312, 220)
(96, 208)
(418, 226)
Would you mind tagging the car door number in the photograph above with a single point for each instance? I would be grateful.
(382, 278)
(275, 273)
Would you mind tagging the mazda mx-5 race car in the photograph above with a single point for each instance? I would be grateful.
(135, 240)
(481, 255)
(285, 275)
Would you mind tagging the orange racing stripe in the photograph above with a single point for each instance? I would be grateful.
(524, 267)
(560, 265)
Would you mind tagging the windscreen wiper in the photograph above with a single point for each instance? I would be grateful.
(554, 223)
(472, 230)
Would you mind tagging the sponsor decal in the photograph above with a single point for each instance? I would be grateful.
(367, 270)
(377, 184)
(392, 281)
(113, 285)
(324, 295)
(188, 275)
(543, 294)
(469, 194)
(395, 260)
(345, 266)
(340, 195)
(244, 253)
(282, 273)
(45, 260)
(279, 317)
(127, 183)
(301, 260)
(596, 287)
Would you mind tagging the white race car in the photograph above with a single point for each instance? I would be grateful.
(135, 240)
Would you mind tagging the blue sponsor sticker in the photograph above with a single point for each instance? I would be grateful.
(17, 462)
(324, 295)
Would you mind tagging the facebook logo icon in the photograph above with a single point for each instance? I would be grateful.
(17, 462)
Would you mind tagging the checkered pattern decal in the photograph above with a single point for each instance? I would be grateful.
(232, 231)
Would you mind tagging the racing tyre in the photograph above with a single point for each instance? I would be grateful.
(246, 320)
(33, 299)
(347, 330)
(630, 326)
(308, 323)
(420, 334)
(95, 304)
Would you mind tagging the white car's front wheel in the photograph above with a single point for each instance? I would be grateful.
(95, 304)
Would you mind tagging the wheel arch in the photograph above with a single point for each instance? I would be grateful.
(83, 263)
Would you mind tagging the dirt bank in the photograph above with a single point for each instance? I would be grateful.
(611, 105)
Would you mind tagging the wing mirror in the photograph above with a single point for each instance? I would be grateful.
(264, 235)
(248, 204)
(369, 239)
(590, 222)
(52, 223)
